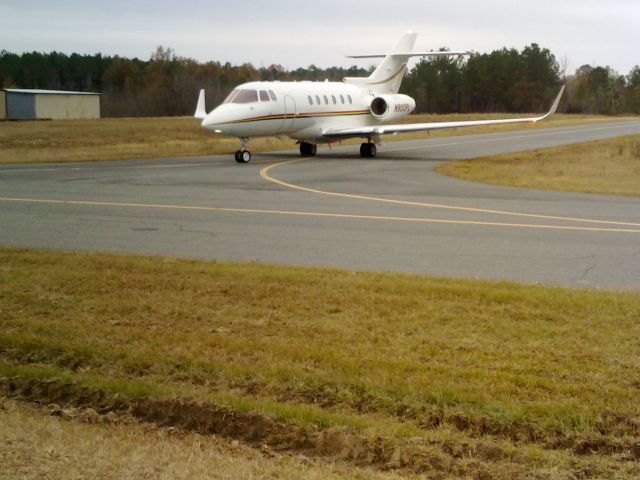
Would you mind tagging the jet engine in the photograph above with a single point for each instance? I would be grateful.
(391, 107)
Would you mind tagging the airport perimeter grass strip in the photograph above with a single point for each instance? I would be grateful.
(526, 378)
(610, 167)
(71, 443)
(138, 138)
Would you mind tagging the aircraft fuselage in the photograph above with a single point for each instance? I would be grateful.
(301, 110)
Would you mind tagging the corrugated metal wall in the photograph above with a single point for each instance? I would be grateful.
(60, 106)
(21, 106)
(3, 106)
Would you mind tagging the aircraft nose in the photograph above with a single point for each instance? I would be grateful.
(211, 122)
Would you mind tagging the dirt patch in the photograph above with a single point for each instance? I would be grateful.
(71, 401)
(435, 459)
(479, 427)
(617, 424)
(429, 417)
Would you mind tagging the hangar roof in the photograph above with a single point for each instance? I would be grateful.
(50, 92)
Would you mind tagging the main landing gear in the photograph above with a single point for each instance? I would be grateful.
(368, 150)
(308, 149)
(243, 155)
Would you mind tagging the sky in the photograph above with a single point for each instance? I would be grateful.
(300, 33)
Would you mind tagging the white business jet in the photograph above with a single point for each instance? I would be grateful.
(326, 112)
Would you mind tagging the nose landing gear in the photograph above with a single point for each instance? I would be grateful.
(243, 155)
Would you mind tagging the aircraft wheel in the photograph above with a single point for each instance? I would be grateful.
(364, 150)
(308, 149)
(243, 156)
(368, 150)
(372, 150)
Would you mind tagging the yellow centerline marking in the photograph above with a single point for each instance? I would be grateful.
(102, 166)
(264, 173)
(313, 214)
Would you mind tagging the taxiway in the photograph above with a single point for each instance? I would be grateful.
(390, 213)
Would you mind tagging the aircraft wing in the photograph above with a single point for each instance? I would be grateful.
(367, 131)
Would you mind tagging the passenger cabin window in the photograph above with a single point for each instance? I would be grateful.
(246, 96)
(264, 96)
(349, 98)
(310, 100)
(318, 99)
(273, 96)
(333, 97)
(342, 99)
(326, 100)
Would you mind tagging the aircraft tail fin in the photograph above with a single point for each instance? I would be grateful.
(389, 74)
(387, 77)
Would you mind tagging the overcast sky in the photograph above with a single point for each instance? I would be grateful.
(299, 33)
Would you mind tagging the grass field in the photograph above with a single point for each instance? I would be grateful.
(450, 378)
(607, 167)
(129, 138)
(53, 443)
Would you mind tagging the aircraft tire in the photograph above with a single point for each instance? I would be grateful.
(245, 156)
(372, 150)
(368, 150)
(308, 149)
(364, 150)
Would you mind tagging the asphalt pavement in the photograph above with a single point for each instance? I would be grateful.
(391, 213)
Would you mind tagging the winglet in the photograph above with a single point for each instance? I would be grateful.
(556, 102)
(554, 107)
(200, 112)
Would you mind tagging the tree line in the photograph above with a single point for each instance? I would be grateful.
(506, 80)
(510, 80)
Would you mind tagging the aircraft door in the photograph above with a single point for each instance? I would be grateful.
(289, 113)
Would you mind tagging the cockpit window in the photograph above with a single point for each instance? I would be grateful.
(264, 96)
(273, 96)
(230, 96)
(246, 96)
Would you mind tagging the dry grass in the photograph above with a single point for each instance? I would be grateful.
(34, 445)
(530, 371)
(607, 167)
(130, 138)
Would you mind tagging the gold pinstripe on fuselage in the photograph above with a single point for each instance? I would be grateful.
(289, 116)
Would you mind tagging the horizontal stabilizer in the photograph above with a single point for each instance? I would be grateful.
(410, 54)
